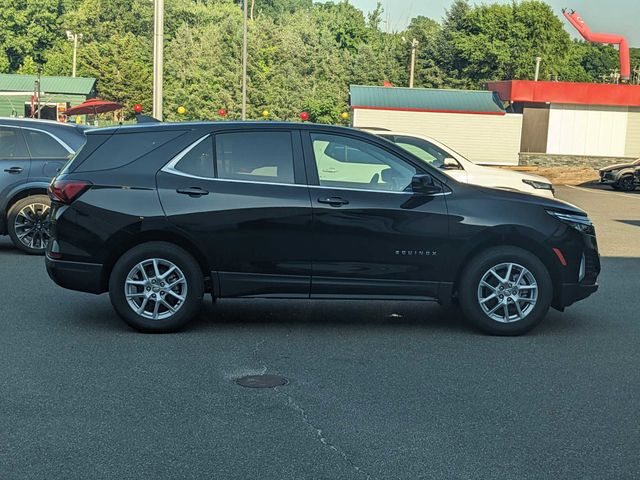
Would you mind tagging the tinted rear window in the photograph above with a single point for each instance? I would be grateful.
(123, 148)
(257, 156)
(42, 145)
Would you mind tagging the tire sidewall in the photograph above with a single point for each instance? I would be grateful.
(628, 185)
(11, 218)
(479, 266)
(183, 260)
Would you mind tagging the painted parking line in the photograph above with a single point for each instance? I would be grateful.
(591, 190)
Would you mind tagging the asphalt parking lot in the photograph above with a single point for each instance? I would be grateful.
(377, 390)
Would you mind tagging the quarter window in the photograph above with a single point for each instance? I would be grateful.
(11, 144)
(345, 162)
(255, 156)
(198, 160)
(42, 145)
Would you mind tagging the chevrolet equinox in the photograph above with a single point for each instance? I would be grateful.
(160, 214)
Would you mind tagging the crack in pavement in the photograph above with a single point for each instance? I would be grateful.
(319, 435)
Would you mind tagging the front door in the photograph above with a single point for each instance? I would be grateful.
(372, 235)
(242, 197)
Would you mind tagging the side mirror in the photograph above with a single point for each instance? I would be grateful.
(450, 164)
(423, 183)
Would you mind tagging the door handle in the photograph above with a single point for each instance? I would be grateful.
(14, 170)
(193, 191)
(334, 201)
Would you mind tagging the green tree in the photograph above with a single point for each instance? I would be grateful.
(27, 29)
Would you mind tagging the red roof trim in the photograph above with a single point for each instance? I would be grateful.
(399, 109)
(567, 92)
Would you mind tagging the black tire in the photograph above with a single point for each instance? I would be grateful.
(615, 186)
(37, 210)
(186, 265)
(470, 282)
(626, 183)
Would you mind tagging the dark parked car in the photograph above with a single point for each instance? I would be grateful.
(622, 176)
(31, 153)
(159, 214)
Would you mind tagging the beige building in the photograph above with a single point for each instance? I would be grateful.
(473, 123)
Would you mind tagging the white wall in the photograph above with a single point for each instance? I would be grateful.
(587, 130)
(481, 138)
(633, 133)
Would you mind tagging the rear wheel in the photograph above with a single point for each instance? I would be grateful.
(626, 183)
(156, 287)
(28, 224)
(505, 291)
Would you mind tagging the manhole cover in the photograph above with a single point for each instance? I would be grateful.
(262, 381)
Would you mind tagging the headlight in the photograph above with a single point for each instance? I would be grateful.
(538, 185)
(579, 222)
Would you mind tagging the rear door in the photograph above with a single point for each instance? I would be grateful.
(14, 162)
(48, 154)
(241, 195)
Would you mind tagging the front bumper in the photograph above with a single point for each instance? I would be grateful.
(83, 277)
(573, 292)
(607, 177)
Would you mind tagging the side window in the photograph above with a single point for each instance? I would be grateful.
(345, 162)
(198, 160)
(42, 145)
(11, 144)
(255, 156)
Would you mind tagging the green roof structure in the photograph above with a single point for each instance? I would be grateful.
(16, 92)
(426, 100)
(64, 85)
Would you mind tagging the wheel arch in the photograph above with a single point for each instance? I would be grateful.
(512, 238)
(126, 244)
(23, 191)
(623, 172)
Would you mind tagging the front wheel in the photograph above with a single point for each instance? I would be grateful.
(28, 224)
(156, 287)
(505, 291)
(627, 183)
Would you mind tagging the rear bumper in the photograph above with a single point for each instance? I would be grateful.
(83, 277)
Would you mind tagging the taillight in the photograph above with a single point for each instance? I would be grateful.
(66, 191)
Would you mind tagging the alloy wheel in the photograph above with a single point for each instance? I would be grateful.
(155, 288)
(507, 292)
(32, 225)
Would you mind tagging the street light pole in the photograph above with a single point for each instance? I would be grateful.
(158, 45)
(244, 63)
(74, 37)
(414, 47)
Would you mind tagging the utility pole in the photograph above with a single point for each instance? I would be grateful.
(244, 63)
(39, 88)
(537, 74)
(158, 45)
(414, 47)
(74, 37)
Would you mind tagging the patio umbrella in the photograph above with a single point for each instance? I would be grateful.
(93, 107)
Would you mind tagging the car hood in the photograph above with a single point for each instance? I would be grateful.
(517, 196)
(506, 174)
(617, 166)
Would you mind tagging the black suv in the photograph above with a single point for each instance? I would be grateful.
(31, 153)
(159, 214)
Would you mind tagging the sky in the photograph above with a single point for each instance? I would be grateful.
(606, 16)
